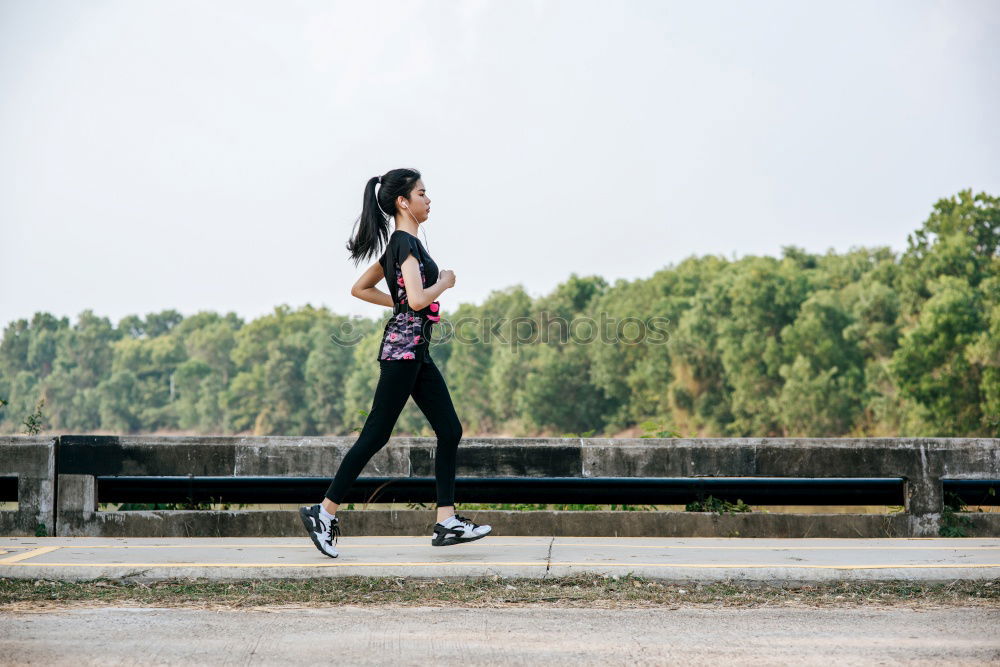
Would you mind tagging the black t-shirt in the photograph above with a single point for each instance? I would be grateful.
(407, 334)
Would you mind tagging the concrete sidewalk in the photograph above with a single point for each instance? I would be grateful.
(770, 560)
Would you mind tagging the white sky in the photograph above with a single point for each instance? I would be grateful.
(212, 155)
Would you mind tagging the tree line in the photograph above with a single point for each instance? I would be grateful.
(861, 343)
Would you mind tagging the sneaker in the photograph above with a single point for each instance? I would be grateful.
(464, 531)
(324, 536)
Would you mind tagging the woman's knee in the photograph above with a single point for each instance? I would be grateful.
(368, 443)
(451, 435)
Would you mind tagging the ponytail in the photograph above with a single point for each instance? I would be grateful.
(378, 206)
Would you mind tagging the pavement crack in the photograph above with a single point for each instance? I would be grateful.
(548, 558)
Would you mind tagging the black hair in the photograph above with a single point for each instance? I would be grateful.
(372, 225)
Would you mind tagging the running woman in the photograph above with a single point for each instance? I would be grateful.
(405, 364)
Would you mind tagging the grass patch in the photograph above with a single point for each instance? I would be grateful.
(713, 504)
(584, 590)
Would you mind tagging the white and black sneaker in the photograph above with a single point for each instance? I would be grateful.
(324, 532)
(457, 529)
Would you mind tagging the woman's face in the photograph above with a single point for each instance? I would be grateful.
(419, 204)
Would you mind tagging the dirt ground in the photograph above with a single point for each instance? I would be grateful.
(420, 635)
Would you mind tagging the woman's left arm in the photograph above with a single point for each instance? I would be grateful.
(365, 288)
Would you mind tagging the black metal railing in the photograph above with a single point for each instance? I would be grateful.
(604, 490)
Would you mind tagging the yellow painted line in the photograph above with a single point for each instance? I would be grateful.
(531, 564)
(25, 555)
(755, 548)
(306, 545)
(537, 544)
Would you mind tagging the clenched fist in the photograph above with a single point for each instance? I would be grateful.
(447, 277)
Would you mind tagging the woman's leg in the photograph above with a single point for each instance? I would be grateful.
(395, 383)
(431, 395)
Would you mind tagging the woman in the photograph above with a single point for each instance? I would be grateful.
(406, 367)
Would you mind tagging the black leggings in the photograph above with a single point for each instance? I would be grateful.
(398, 380)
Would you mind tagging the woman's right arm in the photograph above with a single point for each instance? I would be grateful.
(419, 297)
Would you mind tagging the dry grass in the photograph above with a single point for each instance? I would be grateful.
(580, 591)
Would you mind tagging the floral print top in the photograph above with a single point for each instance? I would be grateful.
(407, 334)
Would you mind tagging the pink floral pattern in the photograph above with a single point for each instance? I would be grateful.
(405, 333)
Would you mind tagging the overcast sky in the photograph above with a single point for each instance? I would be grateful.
(207, 155)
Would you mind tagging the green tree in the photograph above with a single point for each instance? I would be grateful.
(931, 365)
(822, 390)
(960, 238)
(947, 289)
(559, 395)
(83, 359)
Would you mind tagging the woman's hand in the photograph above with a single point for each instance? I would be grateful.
(447, 277)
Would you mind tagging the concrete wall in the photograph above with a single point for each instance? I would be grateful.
(922, 462)
(32, 460)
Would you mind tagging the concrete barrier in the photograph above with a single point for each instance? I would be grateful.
(921, 462)
(31, 459)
